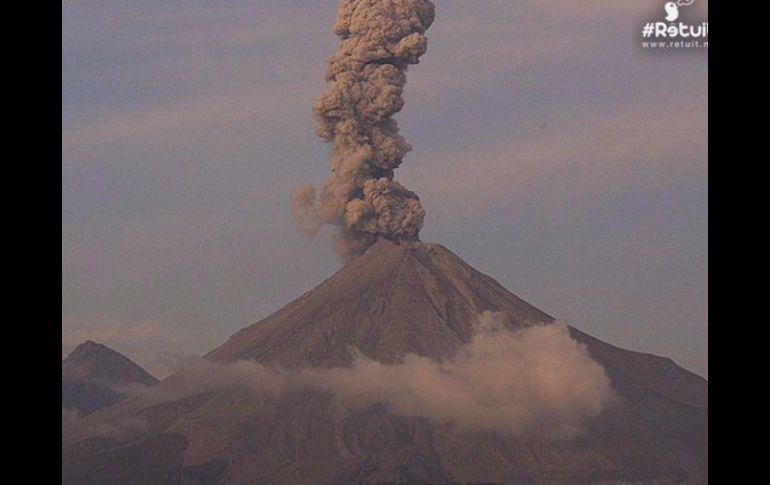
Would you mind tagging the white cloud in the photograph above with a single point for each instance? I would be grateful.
(536, 381)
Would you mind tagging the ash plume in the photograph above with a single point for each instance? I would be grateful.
(366, 79)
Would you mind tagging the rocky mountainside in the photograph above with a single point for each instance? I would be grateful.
(92, 375)
(396, 299)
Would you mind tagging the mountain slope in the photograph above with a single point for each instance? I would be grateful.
(408, 298)
(394, 300)
(92, 375)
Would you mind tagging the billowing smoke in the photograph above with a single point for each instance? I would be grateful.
(366, 79)
(536, 382)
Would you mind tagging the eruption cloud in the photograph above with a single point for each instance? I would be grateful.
(366, 79)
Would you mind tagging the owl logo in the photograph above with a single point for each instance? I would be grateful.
(672, 8)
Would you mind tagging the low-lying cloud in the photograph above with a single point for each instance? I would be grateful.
(533, 382)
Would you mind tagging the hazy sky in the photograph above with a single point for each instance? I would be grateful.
(550, 152)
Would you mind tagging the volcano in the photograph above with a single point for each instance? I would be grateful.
(395, 300)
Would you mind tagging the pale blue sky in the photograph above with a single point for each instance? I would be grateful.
(550, 152)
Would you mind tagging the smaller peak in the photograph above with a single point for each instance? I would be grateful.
(94, 360)
(87, 349)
